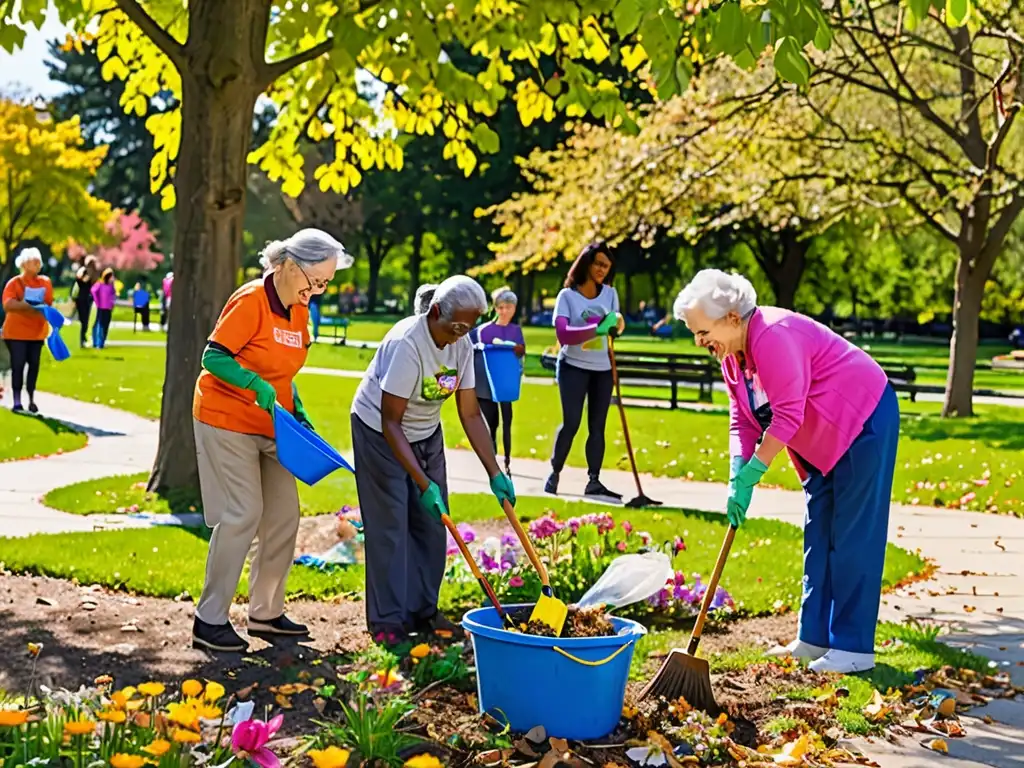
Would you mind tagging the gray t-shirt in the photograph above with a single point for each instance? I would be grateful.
(591, 355)
(408, 364)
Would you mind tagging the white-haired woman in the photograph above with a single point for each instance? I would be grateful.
(257, 347)
(25, 328)
(401, 474)
(424, 295)
(795, 385)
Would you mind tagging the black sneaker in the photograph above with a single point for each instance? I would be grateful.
(441, 627)
(551, 484)
(596, 488)
(217, 637)
(17, 408)
(282, 625)
(33, 408)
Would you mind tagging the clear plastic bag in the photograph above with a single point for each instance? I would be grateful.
(630, 579)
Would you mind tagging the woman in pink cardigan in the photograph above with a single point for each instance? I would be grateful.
(104, 295)
(795, 385)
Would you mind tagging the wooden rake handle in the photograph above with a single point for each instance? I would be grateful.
(709, 595)
(622, 413)
(531, 553)
(486, 585)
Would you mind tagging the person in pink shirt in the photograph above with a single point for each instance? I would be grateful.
(103, 294)
(795, 385)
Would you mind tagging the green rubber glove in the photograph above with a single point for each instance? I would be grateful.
(227, 369)
(433, 501)
(502, 488)
(266, 395)
(741, 489)
(300, 411)
(606, 326)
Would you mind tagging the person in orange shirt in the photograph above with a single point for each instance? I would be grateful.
(25, 328)
(256, 349)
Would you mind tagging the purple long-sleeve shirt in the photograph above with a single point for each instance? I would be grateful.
(103, 295)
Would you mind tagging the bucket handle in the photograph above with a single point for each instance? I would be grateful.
(586, 663)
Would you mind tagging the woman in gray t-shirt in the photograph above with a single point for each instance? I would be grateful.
(586, 310)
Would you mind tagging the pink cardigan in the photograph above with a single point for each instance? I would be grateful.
(821, 388)
(103, 294)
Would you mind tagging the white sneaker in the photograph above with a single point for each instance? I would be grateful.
(798, 649)
(843, 662)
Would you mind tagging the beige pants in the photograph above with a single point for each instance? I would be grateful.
(247, 494)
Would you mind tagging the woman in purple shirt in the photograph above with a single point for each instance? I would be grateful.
(795, 385)
(103, 295)
(501, 330)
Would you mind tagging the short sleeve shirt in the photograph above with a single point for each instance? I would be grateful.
(27, 326)
(262, 341)
(408, 364)
(591, 355)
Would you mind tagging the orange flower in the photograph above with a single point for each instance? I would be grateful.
(182, 736)
(152, 689)
(103, 680)
(80, 727)
(112, 716)
(122, 760)
(142, 719)
(332, 757)
(158, 748)
(12, 718)
(192, 688)
(420, 651)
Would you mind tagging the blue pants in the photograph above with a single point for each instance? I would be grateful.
(845, 532)
(314, 314)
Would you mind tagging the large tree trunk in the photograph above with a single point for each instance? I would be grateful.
(963, 346)
(219, 90)
(786, 273)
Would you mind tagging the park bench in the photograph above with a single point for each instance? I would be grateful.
(903, 378)
(334, 322)
(654, 369)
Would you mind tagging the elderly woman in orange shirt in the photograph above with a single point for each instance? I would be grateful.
(25, 327)
(256, 349)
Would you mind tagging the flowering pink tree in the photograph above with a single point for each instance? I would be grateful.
(129, 245)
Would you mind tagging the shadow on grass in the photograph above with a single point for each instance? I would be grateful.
(1005, 434)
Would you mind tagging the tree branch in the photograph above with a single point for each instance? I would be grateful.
(273, 70)
(998, 233)
(160, 37)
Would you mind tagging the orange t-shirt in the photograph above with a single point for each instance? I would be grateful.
(270, 345)
(27, 326)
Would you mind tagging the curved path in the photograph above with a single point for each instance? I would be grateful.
(978, 591)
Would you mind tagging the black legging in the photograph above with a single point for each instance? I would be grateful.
(24, 353)
(490, 410)
(575, 385)
(84, 309)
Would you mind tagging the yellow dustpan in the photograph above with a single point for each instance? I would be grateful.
(549, 609)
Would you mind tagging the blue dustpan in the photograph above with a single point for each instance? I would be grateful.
(303, 452)
(57, 347)
(53, 316)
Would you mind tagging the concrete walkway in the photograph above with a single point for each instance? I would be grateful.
(978, 592)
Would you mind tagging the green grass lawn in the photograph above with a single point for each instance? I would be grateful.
(26, 436)
(764, 572)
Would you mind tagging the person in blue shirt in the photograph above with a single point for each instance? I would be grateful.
(140, 301)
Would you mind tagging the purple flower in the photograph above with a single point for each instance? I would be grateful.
(466, 532)
(488, 563)
(509, 540)
(659, 600)
(574, 525)
(545, 527)
(516, 581)
(722, 599)
(508, 559)
(453, 548)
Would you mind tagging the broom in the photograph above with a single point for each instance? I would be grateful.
(641, 500)
(682, 674)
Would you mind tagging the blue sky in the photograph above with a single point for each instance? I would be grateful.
(25, 71)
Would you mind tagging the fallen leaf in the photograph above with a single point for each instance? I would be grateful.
(876, 709)
(320, 704)
(289, 689)
(283, 701)
(988, 719)
(550, 760)
(524, 747)
(559, 745)
(246, 692)
(793, 752)
(495, 756)
(969, 609)
(938, 745)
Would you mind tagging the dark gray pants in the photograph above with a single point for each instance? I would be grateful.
(404, 545)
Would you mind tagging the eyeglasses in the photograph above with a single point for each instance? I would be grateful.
(461, 329)
(317, 286)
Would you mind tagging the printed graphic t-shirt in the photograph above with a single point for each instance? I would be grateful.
(590, 355)
(408, 364)
(269, 344)
(27, 326)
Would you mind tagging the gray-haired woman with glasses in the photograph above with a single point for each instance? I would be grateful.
(256, 349)
(401, 475)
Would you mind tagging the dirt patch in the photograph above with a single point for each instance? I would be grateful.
(763, 632)
(89, 631)
(316, 534)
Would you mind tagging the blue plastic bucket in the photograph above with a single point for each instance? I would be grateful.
(574, 687)
(57, 347)
(504, 373)
(302, 451)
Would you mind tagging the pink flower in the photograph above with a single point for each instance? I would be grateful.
(251, 736)
(516, 581)
(678, 545)
(627, 527)
(453, 548)
(621, 546)
(545, 527)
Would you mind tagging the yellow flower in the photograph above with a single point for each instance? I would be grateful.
(183, 714)
(182, 736)
(423, 761)
(34, 649)
(151, 689)
(12, 718)
(112, 715)
(122, 760)
(192, 688)
(158, 748)
(214, 691)
(420, 651)
(208, 711)
(80, 727)
(332, 757)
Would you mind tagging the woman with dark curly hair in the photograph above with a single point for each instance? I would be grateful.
(586, 310)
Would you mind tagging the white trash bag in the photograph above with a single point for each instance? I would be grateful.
(630, 579)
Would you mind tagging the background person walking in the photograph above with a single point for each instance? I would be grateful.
(81, 295)
(25, 328)
(586, 310)
(103, 295)
(501, 330)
